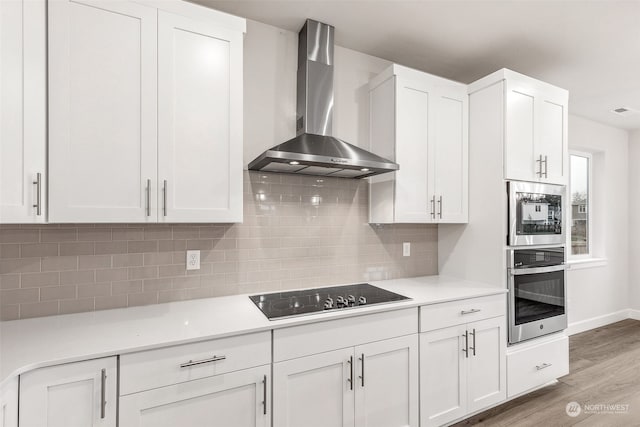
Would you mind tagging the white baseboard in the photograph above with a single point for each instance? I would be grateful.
(596, 322)
(634, 314)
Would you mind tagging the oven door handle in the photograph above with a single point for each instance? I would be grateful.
(536, 270)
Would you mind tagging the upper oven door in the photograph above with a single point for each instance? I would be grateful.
(535, 213)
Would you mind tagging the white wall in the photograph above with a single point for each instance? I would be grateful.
(270, 66)
(601, 291)
(634, 226)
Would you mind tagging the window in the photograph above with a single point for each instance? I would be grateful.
(580, 198)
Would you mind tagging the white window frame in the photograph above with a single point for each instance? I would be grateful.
(589, 255)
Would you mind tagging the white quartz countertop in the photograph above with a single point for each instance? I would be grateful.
(33, 343)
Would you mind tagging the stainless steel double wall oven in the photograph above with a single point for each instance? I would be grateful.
(536, 260)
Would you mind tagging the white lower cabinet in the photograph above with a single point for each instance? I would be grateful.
(239, 399)
(357, 371)
(387, 383)
(215, 383)
(9, 403)
(534, 364)
(80, 394)
(462, 369)
(369, 385)
(314, 391)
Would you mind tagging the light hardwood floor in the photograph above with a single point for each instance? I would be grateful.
(604, 369)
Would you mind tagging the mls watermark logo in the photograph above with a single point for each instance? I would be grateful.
(573, 409)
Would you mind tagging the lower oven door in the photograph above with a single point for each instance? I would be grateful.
(537, 302)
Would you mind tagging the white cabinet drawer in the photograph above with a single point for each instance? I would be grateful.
(534, 366)
(438, 316)
(298, 341)
(157, 368)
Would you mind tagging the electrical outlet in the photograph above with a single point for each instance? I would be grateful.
(406, 249)
(193, 260)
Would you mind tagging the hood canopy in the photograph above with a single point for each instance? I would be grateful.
(314, 151)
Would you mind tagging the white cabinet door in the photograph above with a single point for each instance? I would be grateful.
(413, 135)
(386, 383)
(239, 399)
(519, 146)
(449, 154)
(81, 394)
(102, 111)
(487, 379)
(9, 403)
(535, 132)
(199, 121)
(23, 95)
(420, 121)
(315, 391)
(552, 143)
(443, 376)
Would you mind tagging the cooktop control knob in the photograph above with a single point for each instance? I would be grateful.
(328, 305)
(362, 301)
(351, 300)
(341, 301)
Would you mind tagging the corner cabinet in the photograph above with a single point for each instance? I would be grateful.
(79, 394)
(535, 127)
(421, 122)
(145, 112)
(23, 113)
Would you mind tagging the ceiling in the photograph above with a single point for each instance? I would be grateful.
(591, 48)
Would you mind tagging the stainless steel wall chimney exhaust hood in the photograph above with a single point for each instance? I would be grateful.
(314, 151)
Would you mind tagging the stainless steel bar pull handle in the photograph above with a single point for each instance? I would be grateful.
(103, 393)
(473, 310)
(350, 379)
(545, 167)
(203, 361)
(38, 184)
(264, 390)
(543, 366)
(474, 341)
(148, 198)
(440, 207)
(164, 198)
(433, 207)
(466, 344)
(362, 370)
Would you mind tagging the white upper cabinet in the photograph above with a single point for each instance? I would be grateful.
(535, 126)
(449, 155)
(145, 112)
(199, 121)
(23, 134)
(420, 121)
(102, 111)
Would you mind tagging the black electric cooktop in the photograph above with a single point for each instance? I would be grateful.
(281, 305)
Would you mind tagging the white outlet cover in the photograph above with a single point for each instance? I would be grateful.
(406, 249)
(193, 260)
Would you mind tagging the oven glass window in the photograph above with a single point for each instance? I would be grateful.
(538, 296)
(538, 214)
